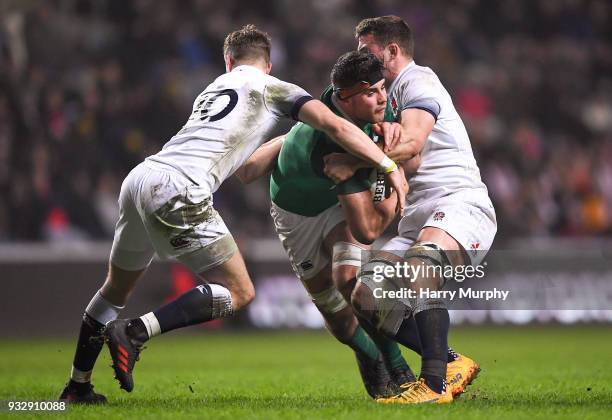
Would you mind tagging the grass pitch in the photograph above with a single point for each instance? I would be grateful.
(532, 372)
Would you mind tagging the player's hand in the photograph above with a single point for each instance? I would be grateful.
(405, 183)
(397, 180)
(339, 166)
(390, 191)
(391, 132)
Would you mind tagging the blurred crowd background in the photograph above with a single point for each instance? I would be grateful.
(88, 88)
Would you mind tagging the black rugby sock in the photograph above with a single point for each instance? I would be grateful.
(433, 326)
(89, 344)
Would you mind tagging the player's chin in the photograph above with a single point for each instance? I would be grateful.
(379, 116)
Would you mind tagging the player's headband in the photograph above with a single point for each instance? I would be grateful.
(346, 92)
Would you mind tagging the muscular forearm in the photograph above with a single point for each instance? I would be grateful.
(354, 141)
(385, 212)
(374, 225)
(344, 133)
(404, 151)
(417, 124)
(261, 161)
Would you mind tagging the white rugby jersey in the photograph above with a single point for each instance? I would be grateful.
(231, 118)
(447, 161)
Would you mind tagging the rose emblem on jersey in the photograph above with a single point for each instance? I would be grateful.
(394, 106)
(475, 246)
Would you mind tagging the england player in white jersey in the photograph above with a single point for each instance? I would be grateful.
(449, 219)
(166, 207)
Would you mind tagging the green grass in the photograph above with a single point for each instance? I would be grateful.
(533, 372)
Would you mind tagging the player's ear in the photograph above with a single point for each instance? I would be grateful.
(268, 67)
(393, 50)
(229, 63)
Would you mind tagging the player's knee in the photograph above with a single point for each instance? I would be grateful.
(249, 294)
(242, 296)
(362, 297)
(434, 263)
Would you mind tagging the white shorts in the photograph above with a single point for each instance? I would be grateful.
(303, 237)
(161, 210)
(467, 216)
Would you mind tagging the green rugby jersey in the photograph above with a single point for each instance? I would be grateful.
(298, 183)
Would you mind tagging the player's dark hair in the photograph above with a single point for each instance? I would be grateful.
(354, 67)
(247, 44)
(388, 29)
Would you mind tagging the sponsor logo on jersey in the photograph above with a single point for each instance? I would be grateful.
(306, 265)
(438, 216)
(379, 187)
(179, 242)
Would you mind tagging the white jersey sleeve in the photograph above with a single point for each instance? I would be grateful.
(420, 93)
(285, 99)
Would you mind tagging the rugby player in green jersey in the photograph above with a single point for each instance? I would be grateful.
(324, 227)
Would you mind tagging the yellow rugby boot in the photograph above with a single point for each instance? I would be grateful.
(460, 374)
(418, 393)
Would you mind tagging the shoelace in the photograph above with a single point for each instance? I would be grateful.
(414, 392)
(408, 385)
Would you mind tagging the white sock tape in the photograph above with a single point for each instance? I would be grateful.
(102, 310)
(222, 301)
(80, 376)
(346, 253)
(152, 324)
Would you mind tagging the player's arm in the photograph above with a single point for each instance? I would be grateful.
(343, 132)
(342, 166)
(416, 127)
(367, 220)
(411, 166)
(354, 141)
(261, 161)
